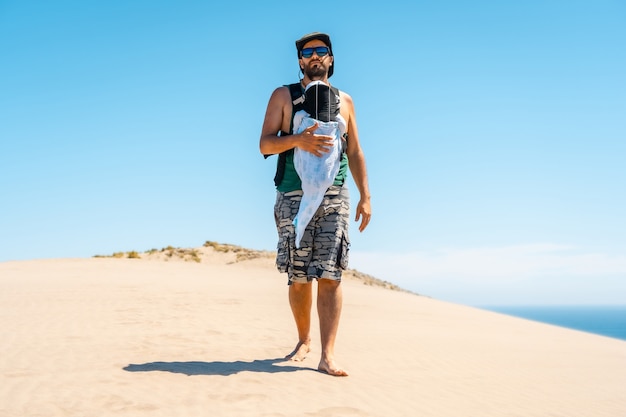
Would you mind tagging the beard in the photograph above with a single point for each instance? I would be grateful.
(315, 71)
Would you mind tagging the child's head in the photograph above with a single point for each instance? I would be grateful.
(321, 102)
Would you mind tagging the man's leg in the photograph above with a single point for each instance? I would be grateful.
(329, 301)
(300, 300)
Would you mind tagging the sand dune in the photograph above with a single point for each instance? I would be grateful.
(165, 336)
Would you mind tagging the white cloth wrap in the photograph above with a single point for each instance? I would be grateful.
(317, 173)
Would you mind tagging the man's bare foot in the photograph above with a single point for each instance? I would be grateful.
(330, 368)
(299, 353)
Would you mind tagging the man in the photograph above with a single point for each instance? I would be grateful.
(323, 252)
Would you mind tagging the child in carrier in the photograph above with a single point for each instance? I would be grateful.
(317, 173)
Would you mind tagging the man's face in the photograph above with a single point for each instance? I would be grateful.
(315, 67)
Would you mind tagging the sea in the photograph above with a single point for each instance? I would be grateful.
(607, 321)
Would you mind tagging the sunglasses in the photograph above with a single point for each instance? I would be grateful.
(321, 51)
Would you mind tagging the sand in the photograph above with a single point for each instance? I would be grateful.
(167, 337)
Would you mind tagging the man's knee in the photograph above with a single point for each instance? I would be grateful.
(329, 285)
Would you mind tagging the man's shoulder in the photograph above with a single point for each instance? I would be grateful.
(289, 89)
(346, 98)
(343, 94)
(282, 94)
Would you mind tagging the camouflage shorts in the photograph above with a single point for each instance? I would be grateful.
(323, 251)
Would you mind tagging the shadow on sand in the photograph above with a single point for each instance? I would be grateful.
(217, 367)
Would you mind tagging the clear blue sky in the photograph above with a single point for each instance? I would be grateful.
(494, 132)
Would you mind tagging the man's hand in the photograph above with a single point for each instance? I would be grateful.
(313, 143)
(363, 212)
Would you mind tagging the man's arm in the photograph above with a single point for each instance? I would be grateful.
(277, 118)
(356, 160)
